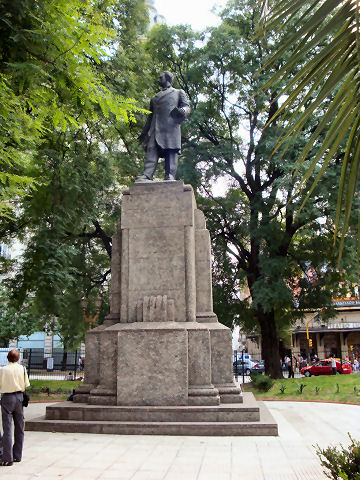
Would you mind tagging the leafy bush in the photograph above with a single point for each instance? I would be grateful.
(341, 463)
(254, 375)
(262, 382)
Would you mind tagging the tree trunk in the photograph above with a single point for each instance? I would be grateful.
(270, 344)
(64, 359)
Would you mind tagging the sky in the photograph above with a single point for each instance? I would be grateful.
(193, 12)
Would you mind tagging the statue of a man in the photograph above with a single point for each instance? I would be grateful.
(161, 135)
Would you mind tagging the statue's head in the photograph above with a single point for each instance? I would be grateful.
(166, 79)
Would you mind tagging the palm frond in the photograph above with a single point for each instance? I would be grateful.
(325, 41)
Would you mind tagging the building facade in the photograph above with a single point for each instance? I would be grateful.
(339, 336)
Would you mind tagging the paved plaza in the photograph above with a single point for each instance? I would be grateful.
(290, 456)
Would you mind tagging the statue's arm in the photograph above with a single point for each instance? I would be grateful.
(180, 112)
(184, 103)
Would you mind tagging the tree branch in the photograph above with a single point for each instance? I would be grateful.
(97, 233)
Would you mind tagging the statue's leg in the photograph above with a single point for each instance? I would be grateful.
(171, 161)
(151, 159)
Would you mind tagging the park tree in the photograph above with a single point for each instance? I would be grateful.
(14, 320)
(264, 238)
(71, 69)
(50, 80)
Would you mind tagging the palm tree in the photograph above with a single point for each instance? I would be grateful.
(325, 39)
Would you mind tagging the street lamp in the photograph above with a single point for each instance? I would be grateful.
(90, 319)
(291, 354)
(309, 340)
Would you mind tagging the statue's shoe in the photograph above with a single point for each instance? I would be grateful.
(142, 179)
(169, 178)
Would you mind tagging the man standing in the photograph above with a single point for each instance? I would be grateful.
(289, 365)
(333, 365)
(13, 381)
(161, 135)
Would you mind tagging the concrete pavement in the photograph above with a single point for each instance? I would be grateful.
(291, 456)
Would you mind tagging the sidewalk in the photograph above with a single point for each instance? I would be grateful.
(50, 456)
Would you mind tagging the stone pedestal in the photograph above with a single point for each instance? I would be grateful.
(161, 346)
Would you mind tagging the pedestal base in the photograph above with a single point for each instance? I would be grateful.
(162, 363)
(248, 418)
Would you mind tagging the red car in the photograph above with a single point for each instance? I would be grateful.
(323, 367)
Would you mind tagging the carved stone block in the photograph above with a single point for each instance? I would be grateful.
(152, 364)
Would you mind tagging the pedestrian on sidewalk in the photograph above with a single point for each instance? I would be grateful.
(289, 365)
(13, 382)
(356, 364)
(333, 365)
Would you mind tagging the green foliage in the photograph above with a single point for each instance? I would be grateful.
(326, 389)
(341, 462)
(76, 64)
(326, 48)
(301, 387)
(282, 388)
(51, 80)
(18, 133)
(52, 386)
(254, 374)
(15, 321)
(263, 383)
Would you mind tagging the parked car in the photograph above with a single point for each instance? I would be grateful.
(323, 367)
(258, 367)
(243, 367)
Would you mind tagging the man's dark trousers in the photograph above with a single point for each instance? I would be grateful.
(12, 409)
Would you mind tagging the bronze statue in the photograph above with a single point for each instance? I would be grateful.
(161, 135)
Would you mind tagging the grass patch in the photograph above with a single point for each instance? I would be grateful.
(325, 388)
(51, 390)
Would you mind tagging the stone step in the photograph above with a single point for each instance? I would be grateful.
(266, 425)
(220, 413)
(154, 428)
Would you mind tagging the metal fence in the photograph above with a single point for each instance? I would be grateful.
(60, 366)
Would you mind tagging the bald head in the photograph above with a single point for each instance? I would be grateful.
(13, 356)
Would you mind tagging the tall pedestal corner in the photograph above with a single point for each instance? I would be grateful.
(221, 363)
